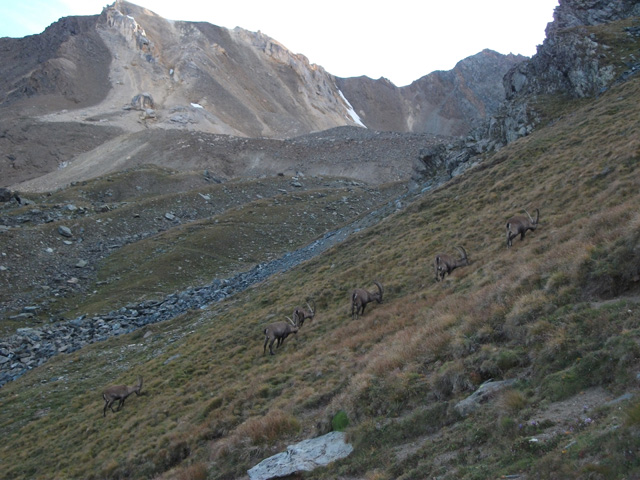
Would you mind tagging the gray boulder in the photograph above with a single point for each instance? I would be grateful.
(304, 456)
(484, 392)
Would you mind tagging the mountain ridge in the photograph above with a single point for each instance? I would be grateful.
(196, 76)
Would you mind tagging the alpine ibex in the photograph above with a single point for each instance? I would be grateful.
(278, 332)
(119, 392)
(300, 314)
(519, 225)
(445, 264)
(360, 297)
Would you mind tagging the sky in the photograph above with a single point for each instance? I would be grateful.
(401, 40)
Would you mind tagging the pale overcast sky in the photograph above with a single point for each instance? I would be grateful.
(401, 40)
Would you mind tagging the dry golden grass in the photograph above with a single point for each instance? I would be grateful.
(257, 432)
(511, 401)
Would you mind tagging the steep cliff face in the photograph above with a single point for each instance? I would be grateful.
(588, 46)
(574, 59)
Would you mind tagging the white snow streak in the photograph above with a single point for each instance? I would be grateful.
(351, 111)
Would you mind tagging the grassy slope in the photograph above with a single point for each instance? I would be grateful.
(558, 312)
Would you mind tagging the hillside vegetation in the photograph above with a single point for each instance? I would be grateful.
(558, 313)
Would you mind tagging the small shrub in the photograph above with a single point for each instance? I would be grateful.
(507, 359)
(526, 309)
(556, 281)
(596, 368)
(633, 415)
(340, 421)
(452, 381)
(561, 385)
(508, 426)
(173, 454)
(513, 401)
(612, 268)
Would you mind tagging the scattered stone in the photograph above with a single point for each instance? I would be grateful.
(149, 113)
(171, 359)
(169, 216)
(81, 264)
(622, 398)
(481, 395)
(65, 231)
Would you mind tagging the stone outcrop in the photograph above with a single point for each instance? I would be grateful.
(573, 61)
(142, 101)
(305, 456)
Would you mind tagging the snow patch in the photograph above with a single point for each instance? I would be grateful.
(352, 113)
(196, 105)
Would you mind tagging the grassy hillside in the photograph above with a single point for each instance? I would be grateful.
(559, 313)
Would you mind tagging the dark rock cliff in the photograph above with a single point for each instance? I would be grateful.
(579, 58)
(590, 45)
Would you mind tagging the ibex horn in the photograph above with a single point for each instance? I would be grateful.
(525, 211)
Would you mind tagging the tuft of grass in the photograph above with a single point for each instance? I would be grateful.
(633, 415)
